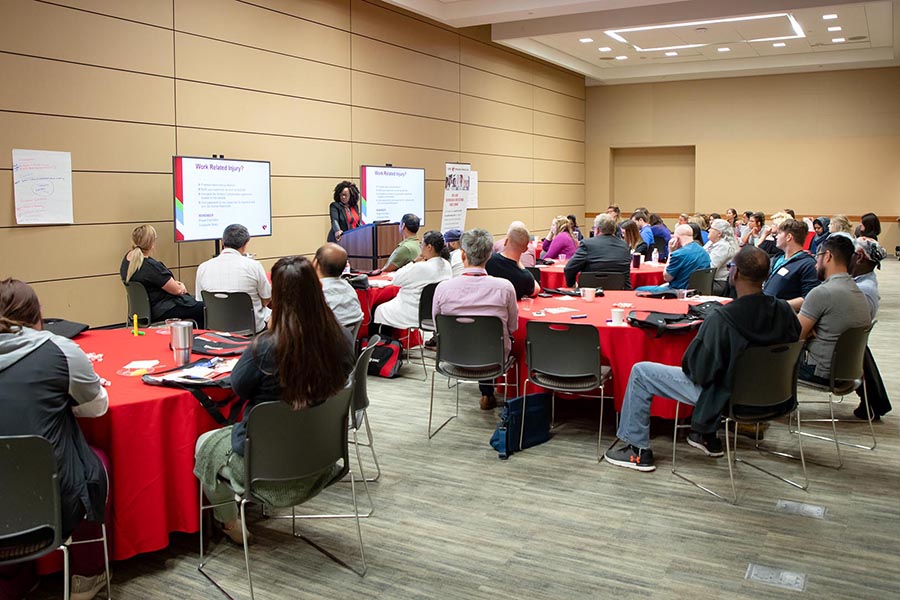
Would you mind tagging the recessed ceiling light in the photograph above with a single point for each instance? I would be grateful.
(835, 28)
(830, 17)
(586, 40)
(724, 49)
(621, 58)
(779, 45)
(671, 54)
(838, 40)
(605, 49)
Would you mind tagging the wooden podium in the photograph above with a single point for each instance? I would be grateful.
(370, 245)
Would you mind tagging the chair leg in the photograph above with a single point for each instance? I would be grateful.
(362, 474)
(66, 590)
(431, 433)
(802, 458)
(834, 439)
(106, 562)
(600, 427)
(524, 402)
(370, 443)
(246, 535)
(676, 473)
(362, 551)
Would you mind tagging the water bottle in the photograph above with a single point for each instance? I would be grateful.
(347, 268)
(654, 257)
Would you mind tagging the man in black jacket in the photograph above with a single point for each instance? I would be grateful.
(603, 253)
(708, 366)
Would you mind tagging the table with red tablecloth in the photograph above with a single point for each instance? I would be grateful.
(620, 346)
(149, 434)
(553, 276)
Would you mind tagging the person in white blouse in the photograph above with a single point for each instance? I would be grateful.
(432, 266)
(721, 247)
(451, 238)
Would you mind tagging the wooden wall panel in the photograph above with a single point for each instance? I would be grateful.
(477, 111)
(84, 37)
(553, 78)
(98, 300)
(122, 197)
(385, 24)
(433, 161)
(481, 84)
(153, 12)
(301, 196)
(495, 60)
(335, 13)
(558, 149)
(485, 140)
(36, 85)
(560, 127)
(558, 194)
(378, 127)
(212, 61)
(504, 195)
(243, 23)
(558, 104)
(293, 235)
(549, 171)
(500, 168)
(383, 93)
(373, 56)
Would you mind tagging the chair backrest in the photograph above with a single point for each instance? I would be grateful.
(661, 245)
(563, 349)
(30, 521)
(701, 281)
(777, 364)
(229, 311)
(535, 272)
(426, 300)
(138, 303)
(847, 360)
(470, 341)
(360, 398)
(354, 330)
(606, 281)
(284, 444)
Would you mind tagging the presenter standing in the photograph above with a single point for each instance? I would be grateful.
(344, 210)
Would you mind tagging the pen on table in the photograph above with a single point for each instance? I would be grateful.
(578, 317)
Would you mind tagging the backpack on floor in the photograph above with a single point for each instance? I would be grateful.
(387, 358)
(537, 425)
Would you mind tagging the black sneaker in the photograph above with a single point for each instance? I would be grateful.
(631, 457)
(709, 444)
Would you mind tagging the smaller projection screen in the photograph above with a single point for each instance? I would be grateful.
(213, 193)
(388, 193)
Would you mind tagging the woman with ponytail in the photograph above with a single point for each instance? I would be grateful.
(169, 298)
(302, 359)
(432, 266)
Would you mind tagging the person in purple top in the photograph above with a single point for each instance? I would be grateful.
(475, 294)
(560, 240)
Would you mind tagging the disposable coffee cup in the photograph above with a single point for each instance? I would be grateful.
(682, 294)
(588, 294)
(562, 256)
(618, 316)
(636, 260)
(182, 341)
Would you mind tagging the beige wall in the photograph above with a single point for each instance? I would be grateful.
(317, 87)
(820, 143)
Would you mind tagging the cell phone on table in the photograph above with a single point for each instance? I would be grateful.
(544, 295)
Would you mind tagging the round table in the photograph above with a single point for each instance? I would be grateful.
(553, 276)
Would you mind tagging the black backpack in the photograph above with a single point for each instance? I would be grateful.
(663, 323)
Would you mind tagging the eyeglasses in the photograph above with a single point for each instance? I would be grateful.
(822, 253)
(730, 265)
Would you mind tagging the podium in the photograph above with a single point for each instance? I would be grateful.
(370, 245)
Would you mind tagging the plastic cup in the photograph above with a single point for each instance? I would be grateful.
(636, 260)
(618, 316)
(563, 257)
(526, 304)
(682, 294)
(182, 341)
(588, 294)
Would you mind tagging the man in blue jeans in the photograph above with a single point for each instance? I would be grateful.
(703, 380)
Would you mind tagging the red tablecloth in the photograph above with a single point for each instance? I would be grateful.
(148, 434)
(553, 276)
(621, 347)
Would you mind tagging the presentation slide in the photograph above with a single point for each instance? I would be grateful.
(388, 193)
(213, 193)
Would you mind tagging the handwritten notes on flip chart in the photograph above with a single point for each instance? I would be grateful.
(42, 184)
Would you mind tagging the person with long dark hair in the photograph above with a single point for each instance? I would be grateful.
(343, 212)
(302, 359)
(869, 226)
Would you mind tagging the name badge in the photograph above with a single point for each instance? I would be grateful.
(783, 271)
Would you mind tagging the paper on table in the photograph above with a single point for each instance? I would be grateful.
(565, 298)
(706, 299)
(379, 283)
(141, 364)
(560, 309)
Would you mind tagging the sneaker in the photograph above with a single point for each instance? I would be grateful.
(431, 343)
(85, 588)
(708, 444)
(488, 402)
(631, 457)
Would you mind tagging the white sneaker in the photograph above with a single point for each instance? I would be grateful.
(85, 588)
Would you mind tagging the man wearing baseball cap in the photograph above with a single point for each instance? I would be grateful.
(451, 238)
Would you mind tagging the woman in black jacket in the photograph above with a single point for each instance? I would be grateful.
(344, 212)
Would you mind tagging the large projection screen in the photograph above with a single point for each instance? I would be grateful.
(388, 193)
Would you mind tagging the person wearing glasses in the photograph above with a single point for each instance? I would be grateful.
(793, 273)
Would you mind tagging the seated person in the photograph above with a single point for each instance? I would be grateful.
(632, 236)
(560, 240)
(865, 260)
(408, 248)
(507, 263)
(169, 298)
(686, 258)
(602, 253)
(302, 359)
(794, 273)
(573, 226)
(451, 238)
(529, 255)
(840, 224)
(340, 296)
(721, 247)
(477, 294)
(707, 369)
(432, 266)
(821, 228)
(642, 219)
(46, 381)
(703, 225)
(830, 309)
(234, 271)
(661, 236)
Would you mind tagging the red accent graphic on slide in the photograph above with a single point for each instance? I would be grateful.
(362, 183)
(179, 194)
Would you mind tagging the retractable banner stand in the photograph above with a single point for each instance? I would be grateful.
(456, 196)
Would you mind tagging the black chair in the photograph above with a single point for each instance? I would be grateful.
(359, 415)
(229, 311)
(470, 349)
(564, 357)
(750, 403)
(138, 303)
(284, 444)
(701, 281)
(31, 519)
(426, 301)
(535, 272)
(846, 375)
(604, 281)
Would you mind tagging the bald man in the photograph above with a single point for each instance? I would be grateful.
(687, 257)
(528, 257)
(507, 264)
(340, 296)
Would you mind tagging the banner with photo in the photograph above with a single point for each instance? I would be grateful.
(456, 196)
